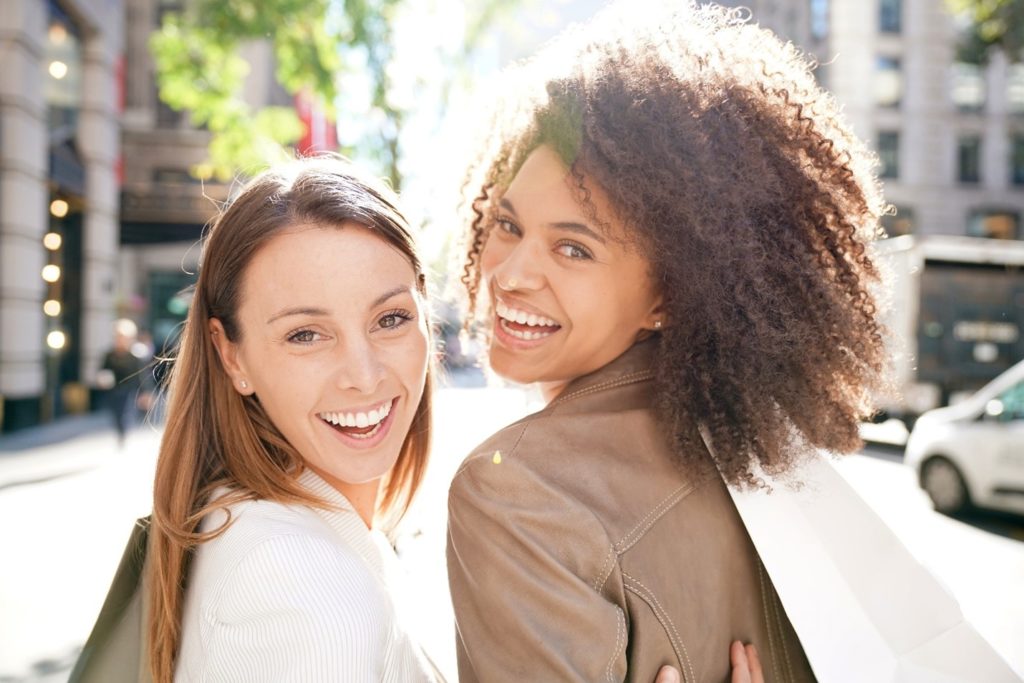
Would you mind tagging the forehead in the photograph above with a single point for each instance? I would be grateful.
(323, 265)
(544, 190)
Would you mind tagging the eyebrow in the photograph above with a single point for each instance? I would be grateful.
(571, 226)
(309, 310)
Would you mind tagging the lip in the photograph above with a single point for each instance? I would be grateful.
(370, 442)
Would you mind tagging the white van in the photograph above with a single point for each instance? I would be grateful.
(972, 453)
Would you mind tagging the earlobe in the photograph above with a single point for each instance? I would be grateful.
(227, 351)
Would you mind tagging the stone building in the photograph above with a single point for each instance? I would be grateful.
(59, 168)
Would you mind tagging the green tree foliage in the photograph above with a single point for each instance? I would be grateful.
(992, 24)
(200, 68)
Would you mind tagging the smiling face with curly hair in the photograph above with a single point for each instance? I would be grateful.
(747, 195)
(554, 278)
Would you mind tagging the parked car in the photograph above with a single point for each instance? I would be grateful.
(972, 453)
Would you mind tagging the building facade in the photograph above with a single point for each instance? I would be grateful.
(59, 170)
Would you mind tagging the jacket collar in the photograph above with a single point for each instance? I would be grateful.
(636, 364)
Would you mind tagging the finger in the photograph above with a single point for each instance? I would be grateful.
(667, 674)
(756, 673)
(740, 666)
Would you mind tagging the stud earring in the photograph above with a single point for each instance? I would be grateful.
(511, 283)
(243, 384)
(657, 324)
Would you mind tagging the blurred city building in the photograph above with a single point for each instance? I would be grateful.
(59, 229)
(99, 210)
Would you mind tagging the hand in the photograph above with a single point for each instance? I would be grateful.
(746, 665)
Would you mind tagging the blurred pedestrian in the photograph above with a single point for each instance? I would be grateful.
(667, 236)
(121, 373)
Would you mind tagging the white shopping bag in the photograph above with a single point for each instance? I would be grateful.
(864, 608)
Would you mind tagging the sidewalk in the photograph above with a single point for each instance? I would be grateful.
(60, 430)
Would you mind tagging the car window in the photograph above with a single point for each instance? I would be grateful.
(1013, 403)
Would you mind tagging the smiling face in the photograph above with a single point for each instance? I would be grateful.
(567, 296)
(334, 345)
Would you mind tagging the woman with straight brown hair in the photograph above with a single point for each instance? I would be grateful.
(298, 427)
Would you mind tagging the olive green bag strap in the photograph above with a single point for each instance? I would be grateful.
(116, 649)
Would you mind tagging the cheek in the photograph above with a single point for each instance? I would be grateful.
(493, 254)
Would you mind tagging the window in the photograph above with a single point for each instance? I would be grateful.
(993, 223)
(1017, 160)
(899, 223)
(819, 19)
(889, 154)
(889, 16)
(888, 82)
(968, 156)
(1015, 88)
(968, 87)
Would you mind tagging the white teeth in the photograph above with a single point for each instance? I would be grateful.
(525, 335)
(359, 420)
(522, 317)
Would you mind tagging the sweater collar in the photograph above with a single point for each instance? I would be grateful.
(345, 521)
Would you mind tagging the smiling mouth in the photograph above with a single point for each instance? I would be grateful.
(522, 325)
(359, 424)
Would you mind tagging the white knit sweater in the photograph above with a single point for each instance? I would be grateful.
(291, 593)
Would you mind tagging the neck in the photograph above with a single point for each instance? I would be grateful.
(550, 390)
(363, 497)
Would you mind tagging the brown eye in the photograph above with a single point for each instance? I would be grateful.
(394, 319)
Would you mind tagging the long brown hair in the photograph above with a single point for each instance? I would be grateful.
(752, 200)
(215, 437)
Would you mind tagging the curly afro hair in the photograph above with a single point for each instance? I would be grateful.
(752, 201)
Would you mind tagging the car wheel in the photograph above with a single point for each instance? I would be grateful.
(944, 484)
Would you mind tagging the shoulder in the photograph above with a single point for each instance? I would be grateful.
(276, 555)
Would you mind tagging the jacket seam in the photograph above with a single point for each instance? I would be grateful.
(774, 600)
(652, 517)
(630, 378)
(645, 594)
(620, 632)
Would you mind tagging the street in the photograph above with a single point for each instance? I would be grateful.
(68, 508)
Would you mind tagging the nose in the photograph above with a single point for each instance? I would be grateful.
(360, 367)
(517, 269)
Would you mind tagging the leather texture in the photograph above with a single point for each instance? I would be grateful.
(586, 553)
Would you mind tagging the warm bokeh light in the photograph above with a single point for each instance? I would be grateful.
(58, 69)
(51, 273)
(59, 208)
(52, 241)
(56, 340)
(57, 34)
(51, 308)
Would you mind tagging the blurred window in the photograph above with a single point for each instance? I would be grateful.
(889, 16)
(1017, 160)
(968, 87)
(993, 223)
(889, 153)
(900, 223)
(968, 157)
(62, 84)
(888, 82)
(1015, 88)
(819, 19)
(174, 176)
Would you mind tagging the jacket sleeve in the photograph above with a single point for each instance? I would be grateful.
(294, 609)
(526, 566)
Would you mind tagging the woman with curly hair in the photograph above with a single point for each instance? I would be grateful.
(668, 236)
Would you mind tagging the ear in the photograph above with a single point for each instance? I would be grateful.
(229, 357)
(656, 319)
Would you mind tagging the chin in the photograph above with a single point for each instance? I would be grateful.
(509, 367)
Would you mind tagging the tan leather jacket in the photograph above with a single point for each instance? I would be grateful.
(583, 554)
